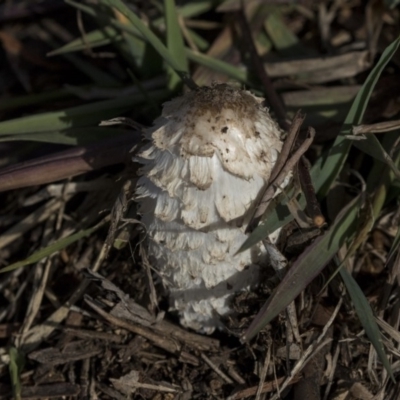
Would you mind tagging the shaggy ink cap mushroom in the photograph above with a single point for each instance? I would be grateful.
(209, 155)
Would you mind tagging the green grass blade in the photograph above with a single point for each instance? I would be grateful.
(309, 264)
(75, 117)
(276, 216)
(175, 43)
(146, 33)
(53, 248)
(198, 40)
(282, 37)
(372, 146)
(196, 8)
(218, 65)
(366, 317)
(96, 38)
(15, 367)
(88, 9)
(327, 168)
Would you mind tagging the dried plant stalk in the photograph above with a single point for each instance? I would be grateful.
(210, 155)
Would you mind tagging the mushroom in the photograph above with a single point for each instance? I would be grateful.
(209, 156)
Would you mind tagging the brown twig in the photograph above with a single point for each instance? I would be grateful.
(68, 163)
(287, 147)
(266, 388)
(165, 343)
(312, 205)
(216, 369)
(283, 173)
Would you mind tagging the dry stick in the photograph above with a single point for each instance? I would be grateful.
(138, 385)
(332, 372)
(164, 343)
(266, 388)
(283, 173)
(287, 147)
(276, 171)
(190, 339)
(264, 371)
(216, 369)
(307, 187)
(68, 163)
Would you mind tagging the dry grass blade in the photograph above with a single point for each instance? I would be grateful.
(274, 185)
(283, 158)
(380, 127)
(312, 205)
(159, 340)
(321, 69)
(267, 387)
(68, 163)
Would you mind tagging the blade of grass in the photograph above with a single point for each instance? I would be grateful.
(146, 33)
(380, 181)
(327, 168)
(132, 47)
(17, 362)
(367, 318)
(275, 217)
(75, 117)
(198, 40)
(86, 8)
(175, 43)
(53, 248)
(309, 264)
(218, 65)
(96, 38)
(202, 59)
(372, 146)
(97, 75)
(67, 163)
(282, 37)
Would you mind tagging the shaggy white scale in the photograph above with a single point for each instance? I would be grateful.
(210, 154)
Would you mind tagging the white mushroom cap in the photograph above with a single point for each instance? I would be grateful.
(210, 154)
